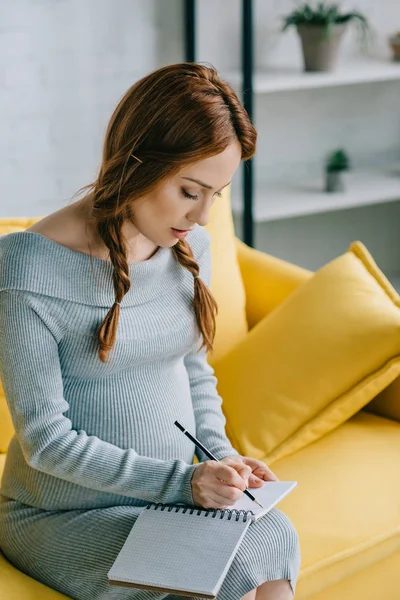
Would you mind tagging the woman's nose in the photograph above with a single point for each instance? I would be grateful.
(201, 213)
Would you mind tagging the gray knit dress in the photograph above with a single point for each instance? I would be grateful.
(96, 441)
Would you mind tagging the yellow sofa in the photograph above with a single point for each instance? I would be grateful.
(350, 547)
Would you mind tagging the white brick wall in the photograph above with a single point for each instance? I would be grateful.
(66, 63)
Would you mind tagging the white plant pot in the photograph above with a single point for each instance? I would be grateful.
(321, 46)
(334, 181)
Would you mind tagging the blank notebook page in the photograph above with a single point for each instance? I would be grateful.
(268, 495)
(180, 551)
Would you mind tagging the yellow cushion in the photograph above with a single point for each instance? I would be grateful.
(314, 361)
(346, 506)
(268, 280)
(226, 281)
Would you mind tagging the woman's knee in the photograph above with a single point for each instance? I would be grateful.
(280, 533)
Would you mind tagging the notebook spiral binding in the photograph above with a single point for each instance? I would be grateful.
(203, 511)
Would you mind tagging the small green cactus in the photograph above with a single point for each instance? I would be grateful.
(337, 161)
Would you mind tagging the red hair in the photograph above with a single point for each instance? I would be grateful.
(176, 115)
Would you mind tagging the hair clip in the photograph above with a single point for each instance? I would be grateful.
(136, 158)
(117, 303)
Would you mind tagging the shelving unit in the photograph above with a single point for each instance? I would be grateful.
(283, 200)
(273, 201)
(279, 202)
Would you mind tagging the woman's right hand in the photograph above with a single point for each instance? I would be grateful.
(217, 485)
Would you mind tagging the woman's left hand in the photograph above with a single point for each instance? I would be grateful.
(258, 473)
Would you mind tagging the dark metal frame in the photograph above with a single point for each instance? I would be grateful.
(247, 94)
(189, 7)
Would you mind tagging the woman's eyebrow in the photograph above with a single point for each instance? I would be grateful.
(209, 187)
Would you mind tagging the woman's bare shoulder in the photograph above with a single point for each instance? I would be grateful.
(50, 224)
(62, 227)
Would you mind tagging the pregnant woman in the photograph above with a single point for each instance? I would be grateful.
(106, 319)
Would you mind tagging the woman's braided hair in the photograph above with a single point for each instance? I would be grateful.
(175, 116)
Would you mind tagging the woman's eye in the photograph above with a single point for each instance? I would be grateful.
(186, 195)
(184, 192)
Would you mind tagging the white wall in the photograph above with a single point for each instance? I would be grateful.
(66, 63)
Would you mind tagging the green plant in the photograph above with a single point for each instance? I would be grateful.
(324, 15)
(337, 161)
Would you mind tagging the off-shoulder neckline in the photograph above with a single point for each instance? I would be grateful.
(87, 256)
(32, 262)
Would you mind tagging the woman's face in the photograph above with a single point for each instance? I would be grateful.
(180, 202)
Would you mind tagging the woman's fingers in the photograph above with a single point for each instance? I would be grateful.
(226, 494)
(255, 481)
(260, 469)
(235, 475)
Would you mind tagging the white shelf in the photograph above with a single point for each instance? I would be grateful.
(278, 79)
(292, 199)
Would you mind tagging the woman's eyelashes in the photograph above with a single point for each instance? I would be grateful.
(187, 195)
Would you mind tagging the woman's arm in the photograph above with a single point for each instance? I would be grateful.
(210, 420)
(207, 404)
(31, 375)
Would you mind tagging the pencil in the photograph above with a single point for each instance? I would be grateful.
(211, 456)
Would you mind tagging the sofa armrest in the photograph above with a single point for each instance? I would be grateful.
(267, 280)
(13, 224)
(387, 402)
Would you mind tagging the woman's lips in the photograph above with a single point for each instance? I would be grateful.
(180, 233)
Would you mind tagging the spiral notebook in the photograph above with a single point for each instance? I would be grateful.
(185, 550)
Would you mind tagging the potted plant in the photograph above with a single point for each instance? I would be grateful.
(320, 30)
(336, 163)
